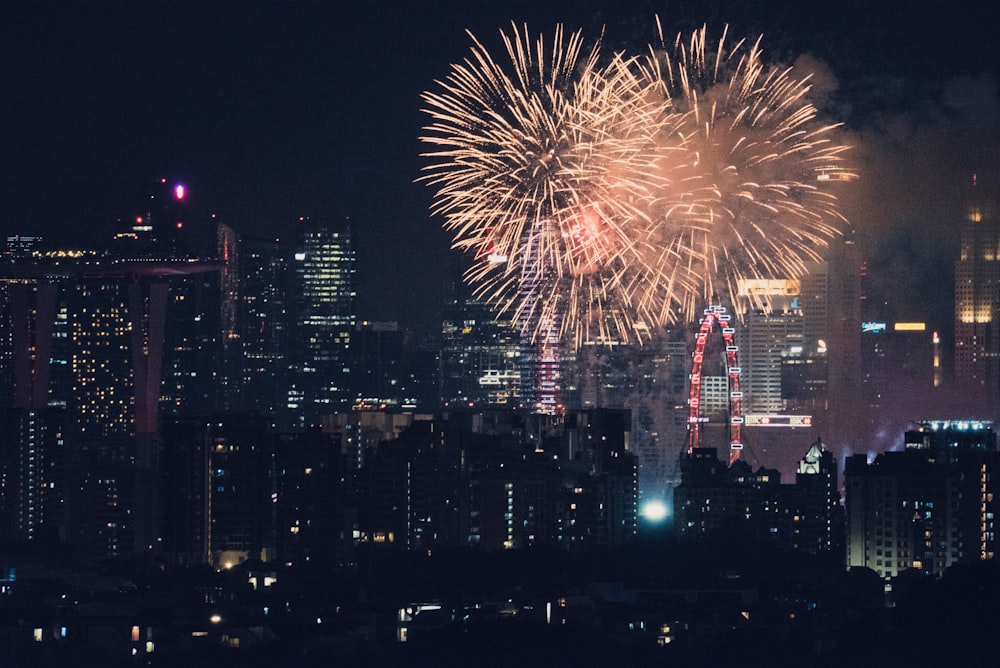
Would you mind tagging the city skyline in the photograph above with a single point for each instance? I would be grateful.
(251, 411)
(275, 112)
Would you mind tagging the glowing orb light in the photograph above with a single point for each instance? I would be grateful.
(654, 510)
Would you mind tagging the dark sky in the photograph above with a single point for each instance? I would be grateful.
(270, 110)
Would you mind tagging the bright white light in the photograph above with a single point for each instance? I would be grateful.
(654, 511)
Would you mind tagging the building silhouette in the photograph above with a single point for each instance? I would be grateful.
(501, 480)
(718, 501)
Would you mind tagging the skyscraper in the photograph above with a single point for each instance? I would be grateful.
(255, 322)
(977, 298)
(323, 316)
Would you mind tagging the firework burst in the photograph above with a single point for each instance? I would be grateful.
(601, 198)
(755, 201)
(545, 167)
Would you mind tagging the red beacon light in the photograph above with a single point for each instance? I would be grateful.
(179, 191)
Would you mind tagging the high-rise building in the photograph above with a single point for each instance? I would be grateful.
(322, 305)
(480, 357)
(255, 323)
(785, 336)
(929, 506)
(766, 338)
(392, 369)
(660, 370)
(32, 450)
(844, 338)
(215, 493)
(192, 375)
(314, 507)
(900, 357)
(977, 298)
(540, 321)
(819, 526)
(650, 379)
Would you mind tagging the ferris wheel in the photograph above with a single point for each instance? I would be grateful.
(716, 318)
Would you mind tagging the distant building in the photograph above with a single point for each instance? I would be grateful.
(718, 500)
(502, 481)
(784, 336)
(901, 354)
(214, 488)
(766, 339)
(819, 526)
(84, 358)
(392, 369)
(312, 503)
(255, 324)
(845, 298)
(19, 245)
(651, 381)
(977, 299)
(480, 357)
(927, 507)
(322, 308)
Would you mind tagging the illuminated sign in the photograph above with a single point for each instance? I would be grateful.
(909, 326)
(873, 327)
(496, 258)
(764, 286)
(775, 420)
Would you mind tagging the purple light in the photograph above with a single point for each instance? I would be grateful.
(179, 191)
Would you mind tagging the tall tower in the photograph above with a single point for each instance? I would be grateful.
(323, 298)
(977, 298)
(540, 323)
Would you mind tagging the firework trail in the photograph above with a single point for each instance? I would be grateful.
(755, 202)
(546, 166)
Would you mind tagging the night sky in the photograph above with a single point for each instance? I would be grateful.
(271, 110)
